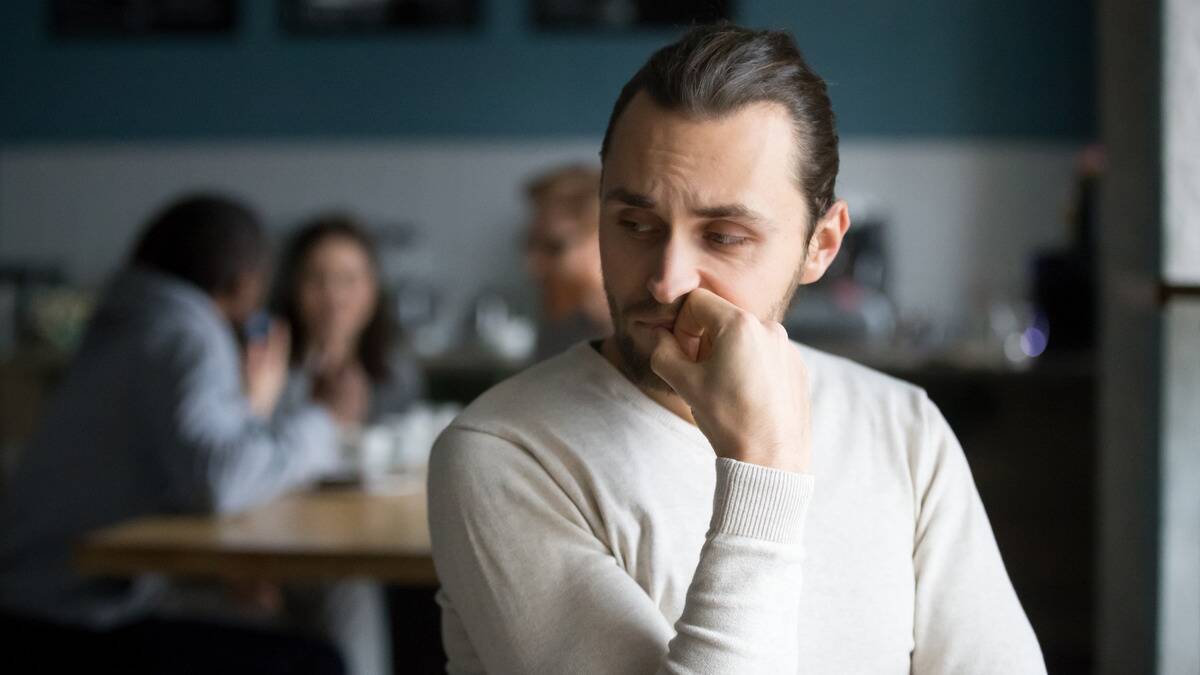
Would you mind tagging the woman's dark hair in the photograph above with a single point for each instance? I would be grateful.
(209, 240)
(375, 343)
(716, 69)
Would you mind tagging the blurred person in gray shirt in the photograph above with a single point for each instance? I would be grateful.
(162, 411)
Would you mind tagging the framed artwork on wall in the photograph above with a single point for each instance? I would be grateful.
(331, 17)
(627, 14)
(141, 18)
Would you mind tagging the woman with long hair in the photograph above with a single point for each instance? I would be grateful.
(343, 335)
(344, 349)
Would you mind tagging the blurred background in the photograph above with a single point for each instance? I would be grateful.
(1023, 177)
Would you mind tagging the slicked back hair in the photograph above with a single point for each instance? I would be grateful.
(715, 70)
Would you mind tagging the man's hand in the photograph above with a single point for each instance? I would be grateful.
(745, 382)
(266, 369)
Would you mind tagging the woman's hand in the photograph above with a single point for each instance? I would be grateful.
(346, 390)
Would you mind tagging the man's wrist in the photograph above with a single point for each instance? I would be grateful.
(780, 455)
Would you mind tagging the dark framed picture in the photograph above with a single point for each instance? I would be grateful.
(331, 17)
(627, 14)
(141, 18)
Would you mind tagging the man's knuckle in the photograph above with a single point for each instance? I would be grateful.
(741, 320)
(658, 358)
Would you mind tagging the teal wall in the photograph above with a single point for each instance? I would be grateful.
(937, 68)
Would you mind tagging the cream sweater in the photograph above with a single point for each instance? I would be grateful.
(580, 527)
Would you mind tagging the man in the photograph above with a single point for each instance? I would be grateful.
(580, 523)
(563, 257)
(160, 413)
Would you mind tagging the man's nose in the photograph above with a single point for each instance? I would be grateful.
(676, 274)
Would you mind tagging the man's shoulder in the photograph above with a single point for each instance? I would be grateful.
(525, 424)
(851, 387)
(842, 371)
(546, 391)
(872, 416)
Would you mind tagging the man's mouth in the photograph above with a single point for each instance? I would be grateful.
(651, 324)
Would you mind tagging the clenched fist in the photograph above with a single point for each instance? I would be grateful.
(743, 379)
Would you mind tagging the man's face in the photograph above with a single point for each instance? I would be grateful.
(697, 203)
(563, 258)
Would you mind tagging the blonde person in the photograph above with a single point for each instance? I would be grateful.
(562, 256)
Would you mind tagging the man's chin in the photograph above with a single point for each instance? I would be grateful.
(635, 363)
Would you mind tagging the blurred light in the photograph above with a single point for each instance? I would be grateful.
(1035, 338)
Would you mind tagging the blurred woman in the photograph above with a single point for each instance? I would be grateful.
(344, 340)
(343, 334)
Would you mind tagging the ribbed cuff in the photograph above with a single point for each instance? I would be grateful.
(759, 502)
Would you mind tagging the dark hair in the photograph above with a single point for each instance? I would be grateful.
(716, 69)
(209, 240)
(375, 343)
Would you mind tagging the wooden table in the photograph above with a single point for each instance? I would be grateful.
(326, 534)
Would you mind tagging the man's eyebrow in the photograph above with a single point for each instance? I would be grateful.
(739, 212)
(730, 211)
(620, 194)
(736, 212)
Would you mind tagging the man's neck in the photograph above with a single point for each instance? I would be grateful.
(666, 398)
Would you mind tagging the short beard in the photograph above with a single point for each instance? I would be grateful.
(635, 364)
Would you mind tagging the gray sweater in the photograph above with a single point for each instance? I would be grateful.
(580, 527)
(151, 418)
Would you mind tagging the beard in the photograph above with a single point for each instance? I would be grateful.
(635, 361)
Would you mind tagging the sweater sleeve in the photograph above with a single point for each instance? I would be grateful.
(217, 454)
(968, 618)
(527, 587)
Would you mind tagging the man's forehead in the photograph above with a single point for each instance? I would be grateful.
(745, 156)
(644, 122)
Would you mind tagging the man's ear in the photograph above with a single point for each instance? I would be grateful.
(825, 242)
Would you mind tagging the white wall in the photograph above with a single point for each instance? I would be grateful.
(964, 215)
(1181, 141)
(1179, 567)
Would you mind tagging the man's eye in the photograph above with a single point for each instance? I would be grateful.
(725, 239)
(636, 227)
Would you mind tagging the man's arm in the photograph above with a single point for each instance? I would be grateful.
(218, 453)
(533, 590)
(968, 618)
